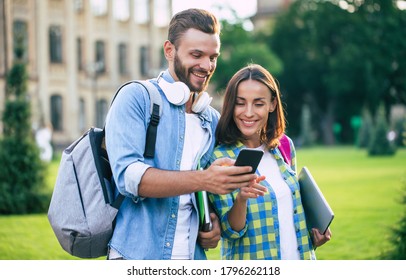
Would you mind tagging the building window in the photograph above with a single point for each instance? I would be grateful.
(100, 57)
(141, 11)
(144, 52)
(122, 59)
(55, 44)
(101, 112)
(79, 53)
(121, 10)
(161, 13)
(98, 7)
(20, 40)
(82, 115)
(56, 112)
(78, 5)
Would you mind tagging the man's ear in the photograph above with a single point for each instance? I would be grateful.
(169, 50)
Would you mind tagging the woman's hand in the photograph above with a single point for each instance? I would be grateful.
(253, 190)
(318, 238)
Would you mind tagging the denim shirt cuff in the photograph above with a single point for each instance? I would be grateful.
(132, 178)
(228, 232)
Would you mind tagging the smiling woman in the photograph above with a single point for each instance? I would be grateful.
(265, 220)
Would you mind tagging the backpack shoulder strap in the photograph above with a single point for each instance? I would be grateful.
(155, 111)
(154, 95)
(284, 148)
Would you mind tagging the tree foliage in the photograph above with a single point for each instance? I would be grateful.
(397, 236)
(339, 56)
(240, 47)
(21, 172)
(365, 132)
(379, 143)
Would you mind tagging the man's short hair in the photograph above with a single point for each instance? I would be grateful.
(192, 18)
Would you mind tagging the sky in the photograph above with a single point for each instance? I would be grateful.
(243, 8)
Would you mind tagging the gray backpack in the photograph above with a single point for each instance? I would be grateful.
(83, 206)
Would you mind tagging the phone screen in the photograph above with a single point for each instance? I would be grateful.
(249, 157)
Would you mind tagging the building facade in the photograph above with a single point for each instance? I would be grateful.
(266, 11)
(78, 52)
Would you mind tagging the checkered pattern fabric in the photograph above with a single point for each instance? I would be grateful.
(260, 238)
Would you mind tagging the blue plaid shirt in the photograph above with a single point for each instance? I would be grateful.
(260, 238)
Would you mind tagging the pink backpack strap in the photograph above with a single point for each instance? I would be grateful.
(284, 148)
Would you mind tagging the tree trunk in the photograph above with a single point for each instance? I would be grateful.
(327, 123)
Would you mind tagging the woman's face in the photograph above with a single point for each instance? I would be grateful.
(251, 110)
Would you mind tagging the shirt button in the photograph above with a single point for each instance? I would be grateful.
(168, 244)
(173, 216)
(295, 211)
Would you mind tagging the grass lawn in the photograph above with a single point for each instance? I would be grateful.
(361, 190)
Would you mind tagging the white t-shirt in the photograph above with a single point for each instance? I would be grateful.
(195, 137)
(269, 168)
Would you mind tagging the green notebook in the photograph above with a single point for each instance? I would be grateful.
(204, 214)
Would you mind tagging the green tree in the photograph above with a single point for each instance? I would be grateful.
(21, 172)
(339, 56)
(399, 127)
(240, 47)
(307, 134)
(382, 39)
(398, 233)
(380, 145)
(307, 39)
(365, 132)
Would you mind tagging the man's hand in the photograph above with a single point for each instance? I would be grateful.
(211, 238)
(222, 177)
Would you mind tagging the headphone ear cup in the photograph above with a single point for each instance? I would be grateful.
(202, 101)
(177, 93)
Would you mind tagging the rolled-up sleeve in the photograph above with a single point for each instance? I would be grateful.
(132, 177)
(227, 230)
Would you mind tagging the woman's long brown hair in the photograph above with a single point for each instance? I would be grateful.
(227, 131)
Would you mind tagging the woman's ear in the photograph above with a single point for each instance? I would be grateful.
(273, 105)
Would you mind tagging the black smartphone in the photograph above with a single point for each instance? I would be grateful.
(249, 157)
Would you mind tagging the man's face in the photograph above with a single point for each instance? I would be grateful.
(195, 59)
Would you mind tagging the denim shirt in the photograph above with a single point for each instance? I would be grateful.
(145, 227)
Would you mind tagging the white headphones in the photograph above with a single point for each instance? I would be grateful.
(178, 94)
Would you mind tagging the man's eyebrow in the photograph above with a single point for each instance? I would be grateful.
(202, 52)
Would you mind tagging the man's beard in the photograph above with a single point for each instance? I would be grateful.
(184, 74)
